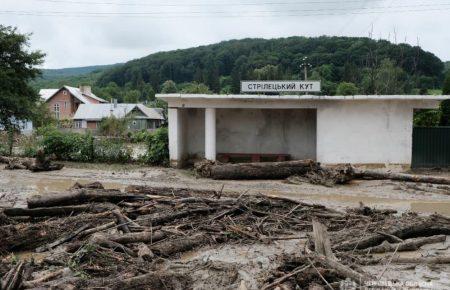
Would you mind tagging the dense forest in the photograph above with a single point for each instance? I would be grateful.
(345, 65)
(362, 64)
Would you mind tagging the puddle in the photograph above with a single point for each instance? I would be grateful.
(54, 185)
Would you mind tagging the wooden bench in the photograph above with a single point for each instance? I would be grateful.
(253, 157)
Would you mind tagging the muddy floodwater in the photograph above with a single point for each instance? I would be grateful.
(16, 186)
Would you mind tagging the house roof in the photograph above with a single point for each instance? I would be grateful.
(96, 112)
(47, 94)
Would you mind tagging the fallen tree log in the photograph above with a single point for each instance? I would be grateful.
(179, 245)
(155, 220)
(167, 191)
(407, 245)
(372, 174)
(144, 237)
(259, 170)
(81, 196)
(435, 226)
(60, 210)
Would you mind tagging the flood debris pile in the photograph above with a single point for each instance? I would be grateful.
(94, 237)
(38, 164)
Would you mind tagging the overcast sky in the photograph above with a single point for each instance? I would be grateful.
(90, 32)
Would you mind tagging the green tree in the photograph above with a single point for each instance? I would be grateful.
(169, 87)
(148, 93)
(346, 89)
(18, 66)
(445, 105)
(389, 79)
(42, 116)
(132, 96)
(196, 88)
(268, 72)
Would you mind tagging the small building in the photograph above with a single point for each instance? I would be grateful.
(328, 129)
(64, 102)
(89, 116)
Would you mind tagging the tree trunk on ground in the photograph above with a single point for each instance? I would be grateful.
(167, 191)
(144, 237)
(81, 196)
(322, 242)
(371, 174)
(407, 245)
(259, 170)
(59, 211)
(179, 245)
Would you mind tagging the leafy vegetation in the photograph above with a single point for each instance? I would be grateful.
(18, 66)
(346, 89)
(114, 127)
(158, 147)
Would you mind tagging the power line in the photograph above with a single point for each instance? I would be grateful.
(159, 16)
(399, 8)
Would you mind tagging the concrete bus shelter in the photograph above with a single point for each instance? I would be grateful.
(328, 129)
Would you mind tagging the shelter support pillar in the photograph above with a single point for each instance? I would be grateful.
(176, 142)
(210, 134)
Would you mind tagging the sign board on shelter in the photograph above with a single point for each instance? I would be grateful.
(279, 86)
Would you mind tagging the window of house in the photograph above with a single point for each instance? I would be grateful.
(56, 110)
(65, 105)
(78, 124)
(64, 92)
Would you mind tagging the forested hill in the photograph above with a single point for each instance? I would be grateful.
(56, 78)
(73, 71)
(372, 67)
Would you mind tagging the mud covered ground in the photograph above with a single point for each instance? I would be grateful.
(15, 186)
(247, 251)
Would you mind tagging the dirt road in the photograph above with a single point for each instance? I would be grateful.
(15, 186)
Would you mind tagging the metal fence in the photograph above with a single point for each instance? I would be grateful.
(431, 147)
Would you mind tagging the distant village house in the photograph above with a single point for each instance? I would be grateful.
(87, 110)
(64, 102)
(89, 116)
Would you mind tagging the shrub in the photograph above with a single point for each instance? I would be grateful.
(107, 150)
(30, 146)
(113, 126)
(346, 89)
(140, 136)
(68, 146)
(3, 149)
(158, 147)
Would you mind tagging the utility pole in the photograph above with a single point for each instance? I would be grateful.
(305, 65)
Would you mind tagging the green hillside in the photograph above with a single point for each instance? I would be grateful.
(53, 78)
(447, 65)
(375, 67)
(73, 71)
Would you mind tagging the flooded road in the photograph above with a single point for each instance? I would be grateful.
(16, 186)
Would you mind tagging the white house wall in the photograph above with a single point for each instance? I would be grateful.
(364, 132)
